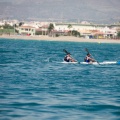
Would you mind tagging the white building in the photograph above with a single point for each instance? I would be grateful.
(27, 30)
(87, 29)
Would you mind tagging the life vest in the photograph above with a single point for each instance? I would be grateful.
(86, 60)
(65, 59)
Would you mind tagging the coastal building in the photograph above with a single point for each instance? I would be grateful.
(33, 28)
(88, 30)
(9, 22)
(2, 23)
(27, 30)
(43, 30)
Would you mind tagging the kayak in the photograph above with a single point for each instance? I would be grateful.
(102, 63)
(95, 63)
(70, 62)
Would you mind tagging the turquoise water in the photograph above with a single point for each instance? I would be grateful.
(36, 85)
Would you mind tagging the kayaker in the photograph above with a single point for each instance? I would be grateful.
(88, 58)
(68, 58)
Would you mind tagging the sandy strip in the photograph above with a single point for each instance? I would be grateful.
(61, 38)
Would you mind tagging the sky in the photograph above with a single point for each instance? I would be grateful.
(103, 11)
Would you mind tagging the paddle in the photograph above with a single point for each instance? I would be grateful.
(66, 51)
(69, 53)
(91, 55)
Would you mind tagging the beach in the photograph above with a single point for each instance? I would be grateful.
(60, 38)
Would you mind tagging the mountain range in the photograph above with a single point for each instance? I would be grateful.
(103, 11)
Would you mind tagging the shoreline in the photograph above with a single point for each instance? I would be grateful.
(60, 38)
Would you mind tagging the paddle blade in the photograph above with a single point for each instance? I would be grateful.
(66, 51)
(86, 50)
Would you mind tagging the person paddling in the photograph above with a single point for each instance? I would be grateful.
(88, 58)
(68, 58)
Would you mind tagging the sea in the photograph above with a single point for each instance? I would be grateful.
(35, 83)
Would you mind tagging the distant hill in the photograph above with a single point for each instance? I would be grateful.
(103, 11)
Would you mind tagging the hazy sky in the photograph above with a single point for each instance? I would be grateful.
(103, 11)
